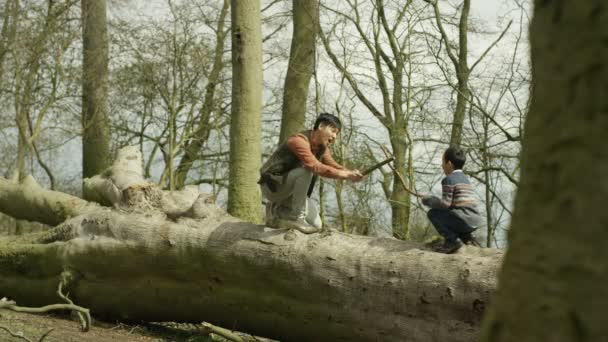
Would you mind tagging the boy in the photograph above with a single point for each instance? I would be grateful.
(454, 215)
(287, 176)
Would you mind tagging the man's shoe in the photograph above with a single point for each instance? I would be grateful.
(274, 213)
(299, 224)
(448, 247)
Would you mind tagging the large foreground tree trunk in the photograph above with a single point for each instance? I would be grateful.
(553, 284)
(162, 256)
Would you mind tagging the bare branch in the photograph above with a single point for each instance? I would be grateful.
(491, 46)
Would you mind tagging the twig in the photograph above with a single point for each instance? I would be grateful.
(18, 334)
(45, 335)
(134, 329)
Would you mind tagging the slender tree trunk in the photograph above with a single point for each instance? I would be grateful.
(486, 163)
(202, 130)
(23, 148)
(489, 217)
(322, 202)
(339, 186)
(400, 199)
(553, 282)
(462, 70)
(96, 133)
(301, 66)
(8, 31)
(244, 197)
(340, 203)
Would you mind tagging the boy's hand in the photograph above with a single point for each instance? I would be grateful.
(431, 201)
(426, 198)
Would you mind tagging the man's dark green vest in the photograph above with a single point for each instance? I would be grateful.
(281, 162)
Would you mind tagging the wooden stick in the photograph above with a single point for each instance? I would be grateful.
(371, 169)
(399, 176)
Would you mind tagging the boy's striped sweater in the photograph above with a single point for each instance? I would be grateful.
(458, 196)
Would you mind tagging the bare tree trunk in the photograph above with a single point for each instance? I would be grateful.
(461, 67)
(400, 199)
(203, 264)
(8, 31)
(96, 132)
(23, 147)
(201, 133)
(244, 199)
(301, 66)
(553, 282)
(462, 70)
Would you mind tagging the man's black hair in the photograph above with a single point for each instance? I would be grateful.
(328, 119)
(455, 155)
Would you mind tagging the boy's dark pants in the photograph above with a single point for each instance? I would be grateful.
(448, 225)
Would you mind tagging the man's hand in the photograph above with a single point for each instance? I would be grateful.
(353, 175)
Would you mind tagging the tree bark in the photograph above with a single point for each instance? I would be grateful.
(137, 263)
(244, 198)
(400, 199)
(96, 130)
(301, 66)
(553, 283)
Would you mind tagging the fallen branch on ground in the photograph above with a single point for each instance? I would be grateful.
(84, 316)
(83, 313)
(209, 328)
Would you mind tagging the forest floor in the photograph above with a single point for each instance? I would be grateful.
(33, 327)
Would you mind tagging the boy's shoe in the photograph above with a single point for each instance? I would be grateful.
(468, 239)
(299, 224)
(448, 247)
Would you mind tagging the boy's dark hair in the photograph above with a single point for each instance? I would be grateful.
(455, 155)
(328, 119)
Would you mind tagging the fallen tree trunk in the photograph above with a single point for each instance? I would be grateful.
(209, 266)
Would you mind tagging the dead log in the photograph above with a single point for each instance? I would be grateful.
(146, 265)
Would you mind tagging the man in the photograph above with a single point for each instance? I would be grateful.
(287, 177)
